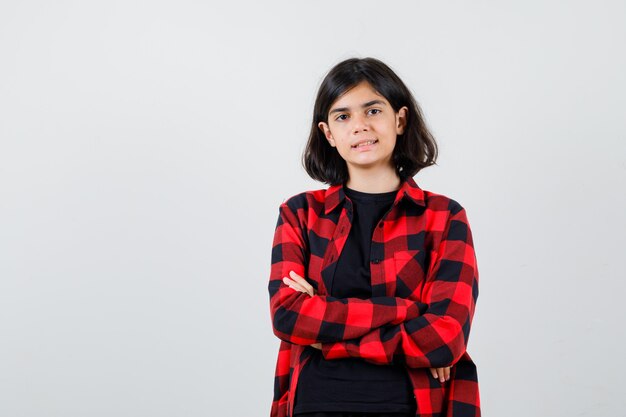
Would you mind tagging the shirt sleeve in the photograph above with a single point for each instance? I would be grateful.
(301, 319)
(437, 338)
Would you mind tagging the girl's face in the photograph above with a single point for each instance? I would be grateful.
(363, 127)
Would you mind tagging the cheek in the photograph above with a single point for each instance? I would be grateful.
(343, 150)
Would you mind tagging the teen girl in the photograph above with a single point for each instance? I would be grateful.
(373, 280)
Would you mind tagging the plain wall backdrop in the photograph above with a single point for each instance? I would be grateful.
(145, 147)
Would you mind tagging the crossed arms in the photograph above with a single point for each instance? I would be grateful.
(432, 332)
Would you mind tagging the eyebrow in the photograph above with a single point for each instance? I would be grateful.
(369, 103)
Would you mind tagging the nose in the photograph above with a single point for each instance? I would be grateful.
(359, 124)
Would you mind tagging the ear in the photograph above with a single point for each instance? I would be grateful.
(329, 136)
(401, 118)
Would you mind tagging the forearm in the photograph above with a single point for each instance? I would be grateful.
(425, 341)
(301, 319)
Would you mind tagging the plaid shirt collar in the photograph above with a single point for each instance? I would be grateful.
(409, 189)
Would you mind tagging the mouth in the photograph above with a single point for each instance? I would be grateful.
(364, 143)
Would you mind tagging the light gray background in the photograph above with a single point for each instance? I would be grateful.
(146, 147)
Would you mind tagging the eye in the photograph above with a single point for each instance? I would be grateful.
(342, 117)
(373, 111)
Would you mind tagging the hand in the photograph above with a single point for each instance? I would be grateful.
(442, 373)
(299, 284)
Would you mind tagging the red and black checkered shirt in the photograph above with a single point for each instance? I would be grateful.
(424, 290)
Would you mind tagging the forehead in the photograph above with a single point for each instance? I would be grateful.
(357, 95)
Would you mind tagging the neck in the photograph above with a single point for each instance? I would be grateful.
(374, 181)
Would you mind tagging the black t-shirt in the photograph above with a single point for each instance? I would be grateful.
(352, 384)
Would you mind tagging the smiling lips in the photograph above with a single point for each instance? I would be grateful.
(364, 143)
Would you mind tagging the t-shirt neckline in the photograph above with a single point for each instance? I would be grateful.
(363, 196)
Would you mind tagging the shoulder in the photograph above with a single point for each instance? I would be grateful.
(447, 216)
(441, 202)
(305, 200)
(433, 202)
(303, 208)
